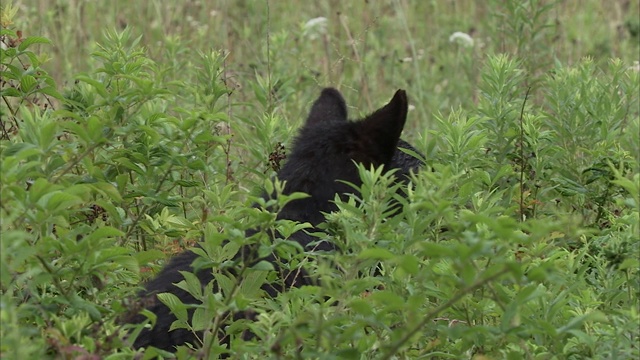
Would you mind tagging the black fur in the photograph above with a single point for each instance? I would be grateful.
(322, 153)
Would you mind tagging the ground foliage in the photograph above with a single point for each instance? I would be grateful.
(519, 239)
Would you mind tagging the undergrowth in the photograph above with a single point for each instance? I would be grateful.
(518, 240)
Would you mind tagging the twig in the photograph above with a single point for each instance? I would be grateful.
(356, 55)
(430, 316)
(269, 90)
(526, 96)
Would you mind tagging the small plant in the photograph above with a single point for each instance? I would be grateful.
(24, 82)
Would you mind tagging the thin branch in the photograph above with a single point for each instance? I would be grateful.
(76, 161)
(430, 316)
(526, 96)
(269, 89)
(356, 55)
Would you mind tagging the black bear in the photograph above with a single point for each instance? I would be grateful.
(323, 153)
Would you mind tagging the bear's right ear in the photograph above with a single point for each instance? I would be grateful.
(330, 106)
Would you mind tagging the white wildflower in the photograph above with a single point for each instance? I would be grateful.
(315, 27)
(461, 38)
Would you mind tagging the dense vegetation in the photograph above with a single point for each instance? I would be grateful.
(132, 130)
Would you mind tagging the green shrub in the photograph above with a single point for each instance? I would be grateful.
(518, 240)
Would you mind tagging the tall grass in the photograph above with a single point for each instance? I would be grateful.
(368, 47)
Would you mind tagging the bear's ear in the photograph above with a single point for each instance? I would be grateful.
(330, 106)
(381, 130)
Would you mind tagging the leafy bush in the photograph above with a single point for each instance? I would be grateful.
(518, 240)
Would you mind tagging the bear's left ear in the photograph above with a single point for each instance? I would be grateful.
(330, 106)
(381, 130)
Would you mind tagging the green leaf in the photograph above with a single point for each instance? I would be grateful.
(8, 54)
(127, 262)
(362, 307)
(25, 150)
(437, 250)
(149, 256)
(27, 83)
(51, 91)
(175, 305)
(107, 190)
(388, 299)
(31, 40)
(191, 284)
(90, 308)
(103, 232)
(349, 354)
(10, 91)
(33, 59)
(225, 283)
(97, 85)
(510, 317)
(95, 129)
(196, 164)
(8, 32)
(188, 183)
(376, 253)
(130, 165)
(629, 263)
(56, 201)
(162, 199)
(577, 322)
(200, 321)
(263, 266)
(250, 286)
(409, 263)
(528, 293)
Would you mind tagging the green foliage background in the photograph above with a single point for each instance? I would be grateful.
(132, 130)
